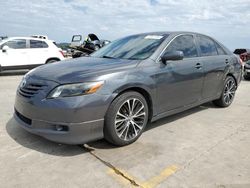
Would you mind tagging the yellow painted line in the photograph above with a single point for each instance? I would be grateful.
(151, 183)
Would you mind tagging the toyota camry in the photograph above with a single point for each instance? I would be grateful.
(116, 91)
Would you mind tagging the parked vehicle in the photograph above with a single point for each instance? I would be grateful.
(247, 70)
(3, 37)
(243, 53)
(85, 47)
(27, 53)
(124, 85)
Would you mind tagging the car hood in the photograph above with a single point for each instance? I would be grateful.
(75, 70)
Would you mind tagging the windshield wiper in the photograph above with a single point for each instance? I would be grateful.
(108, 57)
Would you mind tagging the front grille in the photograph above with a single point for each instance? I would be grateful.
(30, 90)
(23, 118)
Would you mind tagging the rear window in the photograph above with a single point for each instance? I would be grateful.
(38, 44)
(220, 49)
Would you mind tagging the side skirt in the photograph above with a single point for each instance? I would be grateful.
(181, 109)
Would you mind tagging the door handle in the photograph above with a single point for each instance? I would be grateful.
(226, 61)
(198, 66)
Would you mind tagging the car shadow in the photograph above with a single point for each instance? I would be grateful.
(40, 144)
(103, 144)
(13, 73)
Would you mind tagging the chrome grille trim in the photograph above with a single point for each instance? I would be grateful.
(30, 89)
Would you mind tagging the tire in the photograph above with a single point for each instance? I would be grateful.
(97, 47)
(122, 128)
(246, 77)
(228, 93)
(51, 61)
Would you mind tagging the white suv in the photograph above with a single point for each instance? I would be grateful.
(27, 53)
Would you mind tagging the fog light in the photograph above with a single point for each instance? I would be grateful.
(61, 128)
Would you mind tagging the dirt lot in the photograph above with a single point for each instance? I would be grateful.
(202, 147)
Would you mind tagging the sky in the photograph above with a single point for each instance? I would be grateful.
(226, 20)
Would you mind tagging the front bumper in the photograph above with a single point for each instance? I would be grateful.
(76, 133)
(81, 118)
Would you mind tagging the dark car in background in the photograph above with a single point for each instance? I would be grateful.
(85, 47)
(124, 85)
(247, 70)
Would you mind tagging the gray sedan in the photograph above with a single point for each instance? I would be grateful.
(116, 91)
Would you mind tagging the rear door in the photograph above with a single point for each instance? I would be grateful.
(16, 55)
(179, 83)
(38, 52)
(214, 61)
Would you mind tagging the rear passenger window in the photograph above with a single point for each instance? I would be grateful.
(38, 44)
(220, 49)
(184, 43)
(207, 46)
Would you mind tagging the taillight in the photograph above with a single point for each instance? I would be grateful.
(62, 53)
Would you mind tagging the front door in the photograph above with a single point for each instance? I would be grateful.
(179, 83)
(15, 55)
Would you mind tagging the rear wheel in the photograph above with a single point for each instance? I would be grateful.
(51, 61)
(126, 119)
(228, 93)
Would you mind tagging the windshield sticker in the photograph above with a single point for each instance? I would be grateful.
(155, 37)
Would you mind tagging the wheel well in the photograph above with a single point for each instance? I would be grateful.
(53, 58)
(145, 94)
(230, 74)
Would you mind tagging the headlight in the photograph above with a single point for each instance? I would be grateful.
(69, 90)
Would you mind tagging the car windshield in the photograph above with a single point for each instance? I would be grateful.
(136, 47)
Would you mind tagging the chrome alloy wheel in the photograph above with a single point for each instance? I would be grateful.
(130, 119)
(229, 91)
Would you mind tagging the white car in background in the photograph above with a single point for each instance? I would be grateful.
(27, 53)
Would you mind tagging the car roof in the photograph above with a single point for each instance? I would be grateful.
(169, 33)
(26, 38)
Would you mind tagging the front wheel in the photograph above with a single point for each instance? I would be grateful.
(246, 77)
(126, 119)
(97, 47)
(228, 93)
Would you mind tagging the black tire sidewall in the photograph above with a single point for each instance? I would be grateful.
(246, 77)
(109, 128)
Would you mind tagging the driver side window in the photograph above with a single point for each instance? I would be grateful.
(15, 44)
(184, 43)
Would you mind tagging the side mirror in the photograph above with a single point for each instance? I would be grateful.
(174, 56)
(5, 48)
